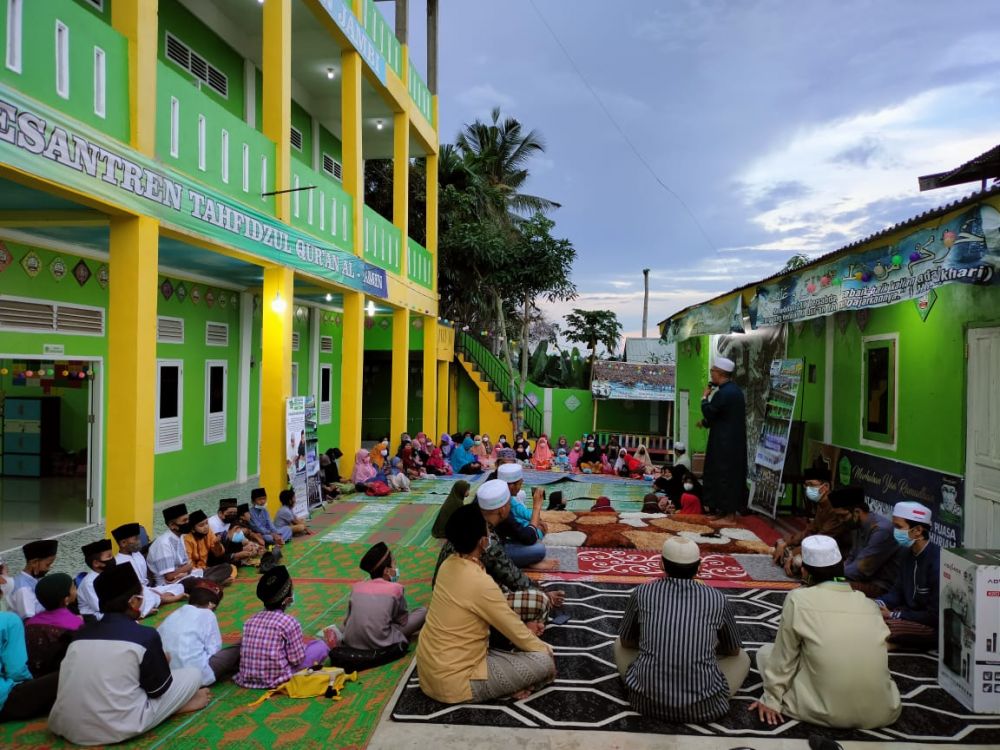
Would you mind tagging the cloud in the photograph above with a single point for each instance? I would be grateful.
(864, 154)
(482, 97)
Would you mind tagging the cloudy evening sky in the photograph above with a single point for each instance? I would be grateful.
(784, 126)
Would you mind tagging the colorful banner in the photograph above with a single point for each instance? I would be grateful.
(314, 489)
(887, 482)
(772, 444)
(295, 431)
(352, 29)
(962, 250)
(632, 381)
(44, 143)
(721, 316)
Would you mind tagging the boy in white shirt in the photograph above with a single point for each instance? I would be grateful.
(191, 636)
(97, 555)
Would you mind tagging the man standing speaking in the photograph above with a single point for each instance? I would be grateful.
(723, 408)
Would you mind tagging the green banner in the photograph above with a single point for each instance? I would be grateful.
(720, 316)
(44, 143)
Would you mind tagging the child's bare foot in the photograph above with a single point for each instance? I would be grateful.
(198, 701)
(544, 565)
(521, 695)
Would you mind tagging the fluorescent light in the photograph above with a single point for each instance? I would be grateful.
(371, 309)
(329, 73)
(378, 124)
(277, 304)
(329, 297)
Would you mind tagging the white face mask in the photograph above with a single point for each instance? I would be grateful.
(812, 493)
(385, 453)
(688, 486)
(395, 576)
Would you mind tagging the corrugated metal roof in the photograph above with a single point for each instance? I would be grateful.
(983, 167)
(650, 350)
(846, 249)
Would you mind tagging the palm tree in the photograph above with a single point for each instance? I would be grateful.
(498, 153)
(593, 327)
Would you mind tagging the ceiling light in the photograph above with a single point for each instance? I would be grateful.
(278, 304)
(378, 124)
(329, 297)
(329, 73)
(371, 309)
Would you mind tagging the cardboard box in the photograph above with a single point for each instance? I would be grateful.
(969, 662)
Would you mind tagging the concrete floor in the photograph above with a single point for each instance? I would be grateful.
(40, 508)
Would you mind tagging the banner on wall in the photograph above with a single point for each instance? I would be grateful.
(772, 444)
(314, 489)
(295, 431)
(961, 250)
(44, 143)
(721, 316)
(633, 381)
(887, 482)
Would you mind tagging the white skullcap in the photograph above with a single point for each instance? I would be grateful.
(510, 473)
(819, 551)
(724, 364)
(912, 512)
(493, 494)
(679, 550)
(679, 446)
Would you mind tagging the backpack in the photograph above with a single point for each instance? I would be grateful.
(377, 489)
(311, 683)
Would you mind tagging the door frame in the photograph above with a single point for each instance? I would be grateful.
(95, 435)
(970, 474)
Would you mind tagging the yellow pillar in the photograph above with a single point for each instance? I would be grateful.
(276, 379)
(277, 97)
(351, 371)
(442, 398)
(429, 416)
(358, 6)
(400, 372)
(136, 20)
(132, 299)
(453, 400)
(432, 217)
(354, 165)
(401, 185)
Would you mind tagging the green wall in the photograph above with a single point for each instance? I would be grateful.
(468, 403)
(692, 375)
(378, 334)
(74, 405)
(302, 122)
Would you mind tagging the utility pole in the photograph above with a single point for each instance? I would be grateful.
(645, 300)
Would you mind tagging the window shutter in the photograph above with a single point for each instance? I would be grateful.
(326, 344)
(296, 139)
(295, 341)
(216, 334)
(169, 330)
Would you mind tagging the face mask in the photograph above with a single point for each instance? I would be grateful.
(239, 537)
(7, 588)
(385, 453)
(903, 538)
(184, 528)
(812, 493)
(477, 442)
(395, 576)
(688, 486)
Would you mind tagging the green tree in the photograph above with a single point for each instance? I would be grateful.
(593, 327)
(796, 261)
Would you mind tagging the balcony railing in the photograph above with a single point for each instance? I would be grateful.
(325, 211)
(383, 36)
(383, 241)
(420, 94)
(419, 264)
(68, 58)
(200, 138)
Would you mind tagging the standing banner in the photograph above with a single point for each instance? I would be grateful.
(295, 431)
(314, 490)
(772, 444)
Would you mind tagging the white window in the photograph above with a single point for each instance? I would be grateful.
(175, 126)
(225, 156)
(14, 8)
(215, 401)
(295, 378)
(180, 54)
(62, 59)
(169, 405)
(296, 138)
(100, 82)
(201, 142)
(325, 394)
(263, 178)
(169, 330)
(246, 168)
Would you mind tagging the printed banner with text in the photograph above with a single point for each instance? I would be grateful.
(772, 445)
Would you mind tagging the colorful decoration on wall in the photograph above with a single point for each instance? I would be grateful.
(82, 272)
(369, 323)
(5, 256)
(418, 323)
(301, 313)
(924, 303)
(234, 300)
(48, 375)
(182, 292)
(843, 318)
(384, 324)
(223, 300)
(31, 263)
(103, 275)
(209, 299)
(337, 320)
(166, 289)
(572, 403)
(58, 268)
(861, 317)
(195, 295)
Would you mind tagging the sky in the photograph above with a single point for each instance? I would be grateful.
(777, 126)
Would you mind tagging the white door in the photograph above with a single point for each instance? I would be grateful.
(982, 474)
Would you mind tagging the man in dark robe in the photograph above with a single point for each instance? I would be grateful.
(723, 408)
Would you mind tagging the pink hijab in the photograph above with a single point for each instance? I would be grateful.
(574, 455)
(363, 469)
(543, 452)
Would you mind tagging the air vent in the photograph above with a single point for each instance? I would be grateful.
(325, 412)
(215, 428)
(42, 315)
(326, 344)
(333, 167)
(295, 341)
(72, 319)
(196, 65)
(169, 330)
(168, 435)
(216, 334)
(296, 139)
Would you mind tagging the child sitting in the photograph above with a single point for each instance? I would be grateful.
(260, 520)
(377, 615)
(286, 518)
(48, 634)
(602, 505)
(191, 636)
(562, 460)
(273, 648)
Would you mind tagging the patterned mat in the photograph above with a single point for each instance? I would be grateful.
(589, 695)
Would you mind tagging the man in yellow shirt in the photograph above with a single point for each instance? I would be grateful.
(203, 547)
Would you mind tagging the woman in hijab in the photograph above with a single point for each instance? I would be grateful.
(542, 460)
(478, 449)
(455, 500)
(447, 445)
(422, 446)
(331, 470)
(364, 472)
(642, 456)
(602, 505)
(437, 465)
(412, 465)
(462, 461)
(574, 455)
(488, 445)
(562, 443)
(522, 448)
(590, 459)
(404, 440)
(628, 466)
(380, 454)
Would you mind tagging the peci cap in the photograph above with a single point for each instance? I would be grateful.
(493, 494)
(820, 551)
(680, 551)
(912, 512)
(723, 363)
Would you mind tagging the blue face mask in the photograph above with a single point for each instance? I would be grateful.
(239, 537)
(395, 574)
(812, 493)
(903, 538)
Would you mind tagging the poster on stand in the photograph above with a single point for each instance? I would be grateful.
(295, 431)
(772, 444)
(314, 490)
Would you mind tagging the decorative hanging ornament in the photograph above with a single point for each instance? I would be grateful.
(195, 295)
(182, 291)
(6, 258)
(82, 272)
(31, 264)
(4, 370)
(58, 268)
(103, 275)
(65, 373)
(223, 300)
(897, 260)
(29, 374)
(209, 299)
(166, 289)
